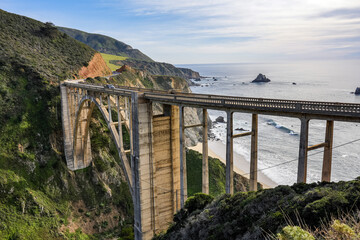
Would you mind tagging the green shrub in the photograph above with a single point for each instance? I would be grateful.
(197, 202)
(294, 233)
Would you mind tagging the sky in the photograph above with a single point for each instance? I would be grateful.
(213, 31)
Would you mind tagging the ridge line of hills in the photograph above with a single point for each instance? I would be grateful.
(134, 57)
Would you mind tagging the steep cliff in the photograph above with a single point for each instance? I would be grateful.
(96, 67)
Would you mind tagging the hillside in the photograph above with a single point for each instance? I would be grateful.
(105, 44)
(133, 57)
(40, 198)
(157, 68)
(256, 215)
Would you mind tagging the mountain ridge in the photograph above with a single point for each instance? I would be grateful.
(105, 44)
(135, 58)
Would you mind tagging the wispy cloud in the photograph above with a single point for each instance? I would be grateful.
(276, 29)
(349, 13)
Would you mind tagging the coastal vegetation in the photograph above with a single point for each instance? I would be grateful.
(110, 57)
(261, 214)
(40, 198)
(216, 176)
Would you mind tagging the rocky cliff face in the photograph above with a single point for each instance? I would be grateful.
(190, 74)
(96, 67)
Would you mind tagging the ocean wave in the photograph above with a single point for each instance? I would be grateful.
(281, 127)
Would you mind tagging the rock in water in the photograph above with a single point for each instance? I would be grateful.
(261, 78)
(357, 91)
(220, 119)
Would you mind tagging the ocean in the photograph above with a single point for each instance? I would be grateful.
(278, 144)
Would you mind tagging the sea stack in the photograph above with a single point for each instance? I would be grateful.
(261, 78)
(357, 91)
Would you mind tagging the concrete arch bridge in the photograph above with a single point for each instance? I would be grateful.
(154, 165)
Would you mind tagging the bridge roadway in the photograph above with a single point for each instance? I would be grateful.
(348, 112)
(154, 137)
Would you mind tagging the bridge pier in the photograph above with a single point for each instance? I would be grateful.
(304, 148)
(326, 169)
(254, 151)
(205, 156)
(183, 177)
(229, 178)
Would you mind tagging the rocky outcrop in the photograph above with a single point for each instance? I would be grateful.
(96, 67)
(261, 78)
(189, 74)
(124, 68)
(357, 91)
(220, 119)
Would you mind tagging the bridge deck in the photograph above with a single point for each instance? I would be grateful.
(290, 108)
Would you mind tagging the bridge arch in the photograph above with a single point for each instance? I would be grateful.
(81, 136)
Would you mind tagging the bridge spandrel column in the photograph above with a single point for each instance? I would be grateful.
(303, 150)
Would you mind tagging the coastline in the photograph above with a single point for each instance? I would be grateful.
(218, 150)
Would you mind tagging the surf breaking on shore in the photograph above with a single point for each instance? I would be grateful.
(218, 150)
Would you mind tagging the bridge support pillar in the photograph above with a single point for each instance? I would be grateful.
(205, 159)
(303, 149)
(254, 151)
(326, 170)
(155, 166)
(229, 181)
(183, 177)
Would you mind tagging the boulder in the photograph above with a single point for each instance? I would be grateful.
(220, 119)
(261, 78)
(357, 91)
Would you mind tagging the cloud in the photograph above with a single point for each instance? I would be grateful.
(239, 28)
(346, 13)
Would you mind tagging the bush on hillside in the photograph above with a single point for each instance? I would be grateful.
(197, 202)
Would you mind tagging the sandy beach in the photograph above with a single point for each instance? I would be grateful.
(218, 150)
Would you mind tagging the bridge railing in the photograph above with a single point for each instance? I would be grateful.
(217, 101)
(99, 88)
